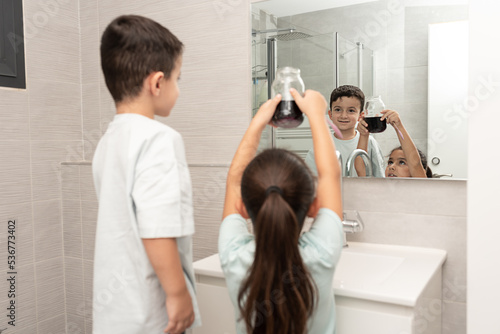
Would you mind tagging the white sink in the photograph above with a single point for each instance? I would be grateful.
(378, 289)
(353, 266)
(386, 273)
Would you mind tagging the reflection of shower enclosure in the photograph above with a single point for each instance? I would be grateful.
(354, 65)
(308, 51)
(317, 57)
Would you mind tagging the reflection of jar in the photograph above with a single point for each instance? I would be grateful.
(287, 114)
(373, 112)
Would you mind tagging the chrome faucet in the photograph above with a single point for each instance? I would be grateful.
(349, 166)
(350, 225)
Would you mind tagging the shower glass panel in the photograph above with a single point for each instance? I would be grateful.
(367, 83)
(314, 55)
(260, 84)
(347, 62)
(355, 65)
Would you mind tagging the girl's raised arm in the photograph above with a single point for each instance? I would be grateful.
(314, 105)
(409, 149)
(245, 153)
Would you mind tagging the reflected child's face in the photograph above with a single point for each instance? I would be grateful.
(397, 165)
(345, 112)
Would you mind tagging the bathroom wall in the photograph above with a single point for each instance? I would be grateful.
(211, 92)
(483, 223)
(411, 212)
(39, 127)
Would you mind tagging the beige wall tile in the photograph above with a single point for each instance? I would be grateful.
(15, 180)
(72, 228)
(91, 115)
(14, 114)
(88, 271)
(87, 184)
(70, 182)
(75, 324)
(454, 318)
(46, 157)
(50, 294)
(89, 224)
(74, 293)
(55, 110)
(47, 230)
(55, 324)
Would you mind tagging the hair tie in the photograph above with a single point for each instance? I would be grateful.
(275, 189)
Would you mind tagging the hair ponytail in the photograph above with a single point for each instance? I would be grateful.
(278, 295)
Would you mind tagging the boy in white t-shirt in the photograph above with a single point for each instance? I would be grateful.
(346, 106)
(143, 274)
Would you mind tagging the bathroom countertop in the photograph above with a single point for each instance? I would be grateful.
(383, 273)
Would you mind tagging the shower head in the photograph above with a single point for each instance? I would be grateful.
(290, 36)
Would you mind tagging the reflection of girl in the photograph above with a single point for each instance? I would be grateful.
(397, 166)
(280, 281)
(404, 161)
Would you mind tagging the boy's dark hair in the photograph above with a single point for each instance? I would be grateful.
(131, 48)
(348, 91)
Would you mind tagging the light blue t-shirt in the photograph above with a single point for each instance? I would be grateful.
(345, 147)
(320, 248)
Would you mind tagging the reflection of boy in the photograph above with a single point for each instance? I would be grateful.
(143, 273)
(346, 103)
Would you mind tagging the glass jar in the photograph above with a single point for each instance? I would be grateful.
(373, 112)
(287, 114)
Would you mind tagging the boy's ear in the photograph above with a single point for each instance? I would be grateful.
(361, 115)
(330, 113)
(240, 207)
(153, 82)
(314, 208)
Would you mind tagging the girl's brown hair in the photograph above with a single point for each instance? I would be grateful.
(132, 47)
(278, 295)
(423, 160)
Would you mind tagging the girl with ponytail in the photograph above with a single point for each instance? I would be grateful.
(279, 280)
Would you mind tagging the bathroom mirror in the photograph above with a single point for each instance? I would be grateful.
(413, 53)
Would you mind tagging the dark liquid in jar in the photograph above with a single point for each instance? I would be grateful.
(375, 125)
(287, 115)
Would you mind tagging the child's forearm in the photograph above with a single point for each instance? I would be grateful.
(359, 165)
(410, 152)
(324, 148)
(244, 154)
(329, 173)
(166, 262)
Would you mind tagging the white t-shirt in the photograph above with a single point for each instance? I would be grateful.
(144, 190)
(345, 147)
(320, 248)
